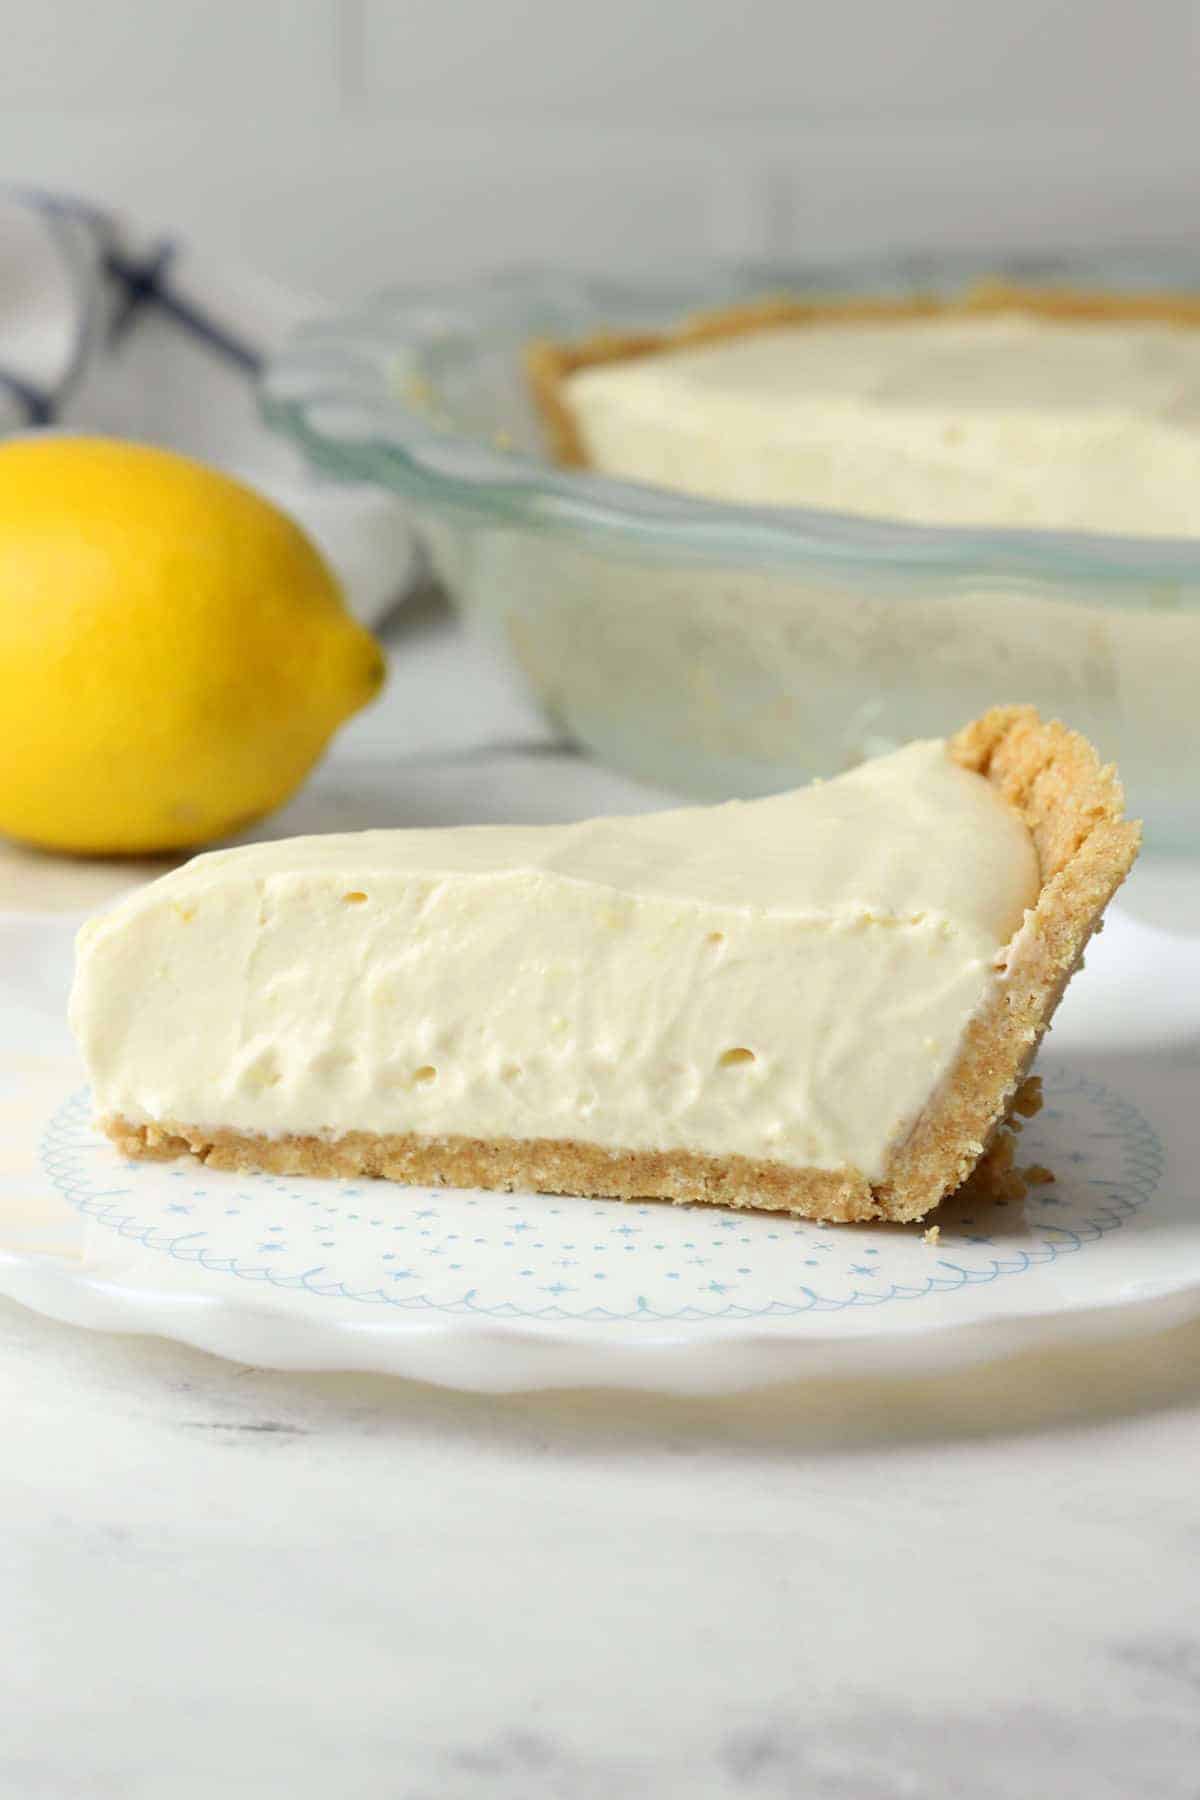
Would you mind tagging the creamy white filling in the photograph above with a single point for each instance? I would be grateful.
(788, 978)
(1000, 420)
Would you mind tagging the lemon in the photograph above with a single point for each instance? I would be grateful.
(174, 651)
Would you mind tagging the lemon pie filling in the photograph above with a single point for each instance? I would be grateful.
(785, 980)
(1006, 419)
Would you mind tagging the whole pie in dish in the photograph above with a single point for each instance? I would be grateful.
(824, 1002)
(1007, 406)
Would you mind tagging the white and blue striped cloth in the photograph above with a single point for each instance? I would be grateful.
(107, 330)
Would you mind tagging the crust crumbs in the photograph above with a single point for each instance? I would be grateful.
(1073, 809)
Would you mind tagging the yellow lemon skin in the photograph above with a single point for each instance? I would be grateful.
(174, 652)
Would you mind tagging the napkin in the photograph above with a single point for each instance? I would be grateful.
(108, 328)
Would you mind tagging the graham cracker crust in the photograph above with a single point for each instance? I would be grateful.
(1074, 811)
(540, 1165)
(548, 363)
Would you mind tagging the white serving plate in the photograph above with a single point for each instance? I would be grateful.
(508, 1291)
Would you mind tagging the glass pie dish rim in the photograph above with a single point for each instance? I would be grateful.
(342, 360)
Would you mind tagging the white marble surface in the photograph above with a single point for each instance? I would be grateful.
(217, 1580)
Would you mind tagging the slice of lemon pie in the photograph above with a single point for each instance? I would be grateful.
(823, 1002)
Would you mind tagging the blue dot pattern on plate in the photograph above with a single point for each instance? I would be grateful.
(495, 1255)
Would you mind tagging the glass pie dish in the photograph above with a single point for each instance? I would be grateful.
(732, 650)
